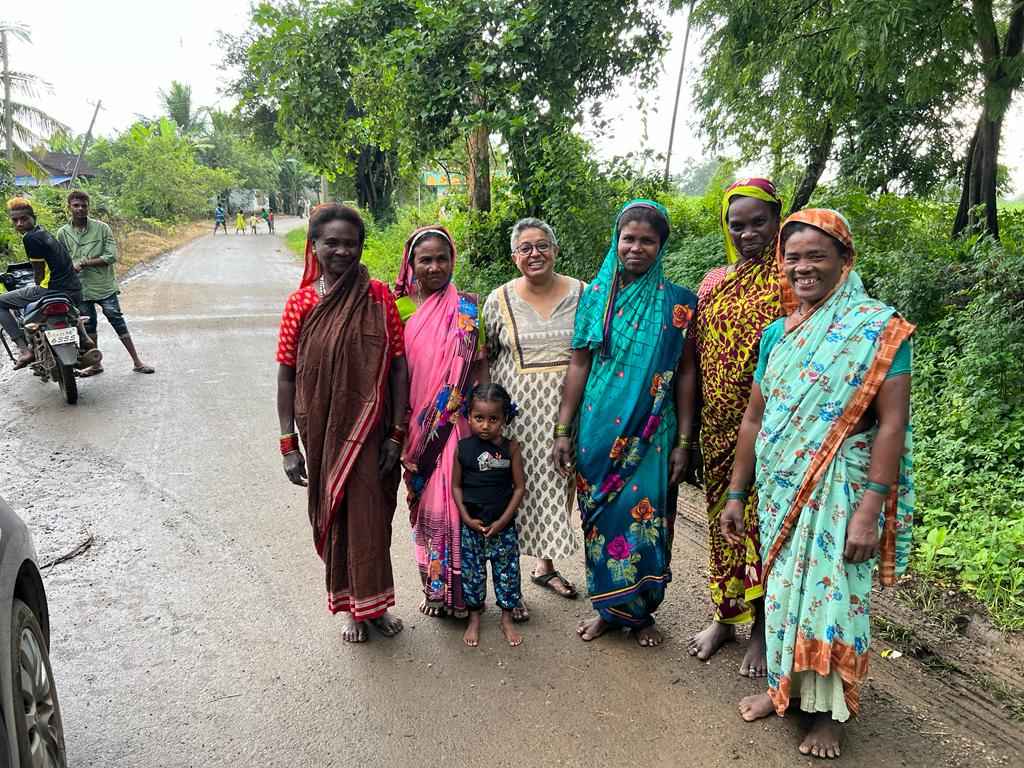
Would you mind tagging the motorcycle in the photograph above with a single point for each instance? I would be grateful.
(51, 329)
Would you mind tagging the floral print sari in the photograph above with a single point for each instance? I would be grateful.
(627, 430)
(812, 470)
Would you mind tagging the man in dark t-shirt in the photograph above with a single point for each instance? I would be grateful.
(54, 273)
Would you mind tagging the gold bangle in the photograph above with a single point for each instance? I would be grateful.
(685, 442)
(561, 430)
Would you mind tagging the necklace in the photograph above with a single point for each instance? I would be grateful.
(322, 287)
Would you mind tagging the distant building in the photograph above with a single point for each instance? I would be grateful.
(59, 166)
(441, 183)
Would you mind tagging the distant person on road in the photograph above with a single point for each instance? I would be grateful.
(446, 359)
(529, 322)
(92, 247)
(266, 218)
(631, 390)
(734, 305)
(219, 219)
(239, 223)
(343, 382)
(825, 439)
(54, 273)
(253, 221)
(488, 486)
(270, 221)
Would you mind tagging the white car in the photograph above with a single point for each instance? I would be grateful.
(31, 729)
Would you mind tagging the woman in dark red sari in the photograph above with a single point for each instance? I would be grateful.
(343, 381)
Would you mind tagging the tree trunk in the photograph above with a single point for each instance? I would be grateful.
(479, 179)
(1003, 74)
(375, 182)
(978, 184)
(817, 158)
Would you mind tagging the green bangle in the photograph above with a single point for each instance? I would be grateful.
(737, 495)
(880, 488)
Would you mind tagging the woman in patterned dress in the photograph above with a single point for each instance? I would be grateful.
(826, 439)
(734, 304)
(445, 359)
(529, 323)
(631, 384)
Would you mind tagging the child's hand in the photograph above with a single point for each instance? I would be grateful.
(496, 527)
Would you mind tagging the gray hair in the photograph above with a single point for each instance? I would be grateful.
(531, 223)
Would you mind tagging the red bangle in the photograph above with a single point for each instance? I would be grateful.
(289, 444)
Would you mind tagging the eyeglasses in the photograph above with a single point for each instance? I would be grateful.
(527, 248)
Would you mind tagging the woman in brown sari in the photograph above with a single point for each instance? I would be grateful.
(343, 381)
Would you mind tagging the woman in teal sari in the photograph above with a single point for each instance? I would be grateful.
(827, 430)
(630, 390)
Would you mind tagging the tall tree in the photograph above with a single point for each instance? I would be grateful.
(24, 125)
(469, 69)
(177, 104)
(294, 66)
(998, 37)
(871, 85)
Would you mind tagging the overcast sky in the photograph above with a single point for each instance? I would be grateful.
(124, 52)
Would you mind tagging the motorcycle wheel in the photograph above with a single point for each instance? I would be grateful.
(68, 383)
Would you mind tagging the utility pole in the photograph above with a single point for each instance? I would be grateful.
(8, 108)
(679, 88)
(85, 143)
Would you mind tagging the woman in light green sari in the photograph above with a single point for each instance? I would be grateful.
(826, 432)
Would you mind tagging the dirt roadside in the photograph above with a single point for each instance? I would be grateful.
(942, 658)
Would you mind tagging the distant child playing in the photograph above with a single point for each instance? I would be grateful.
(488, 485)
(253, 221)
(239, 223)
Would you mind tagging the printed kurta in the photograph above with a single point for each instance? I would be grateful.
(529, 356)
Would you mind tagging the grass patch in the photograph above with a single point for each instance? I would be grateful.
(296, 241)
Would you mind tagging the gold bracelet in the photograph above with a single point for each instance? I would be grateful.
(685, 442)
(561, 430)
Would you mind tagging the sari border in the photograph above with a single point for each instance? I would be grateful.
(822, 658)
(896, 331)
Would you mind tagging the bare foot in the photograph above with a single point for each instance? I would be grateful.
(710, 640)
(592, 628)
(755, 707)
(434, 611)
(520, 613)
(755, 660)
(472, 635)
(508, 628)
(823, 738)
(387, 624)
(649, 636)
(354, 631)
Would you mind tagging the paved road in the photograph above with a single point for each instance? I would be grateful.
(194, 632)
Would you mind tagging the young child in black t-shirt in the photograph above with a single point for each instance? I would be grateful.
(488, 485)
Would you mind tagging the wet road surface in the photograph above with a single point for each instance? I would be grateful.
(194, 632)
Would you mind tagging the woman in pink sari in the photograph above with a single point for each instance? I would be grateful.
(444, 353)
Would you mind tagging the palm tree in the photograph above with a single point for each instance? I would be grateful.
(177, 101)
(23, 125)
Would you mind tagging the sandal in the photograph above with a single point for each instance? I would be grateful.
(544, 580)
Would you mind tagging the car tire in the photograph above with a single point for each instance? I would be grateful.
(38, 726)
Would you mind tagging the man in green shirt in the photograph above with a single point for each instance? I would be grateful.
(94, 252)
